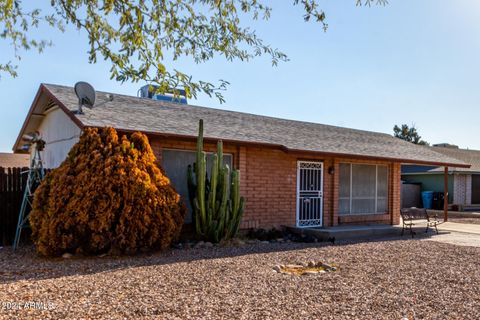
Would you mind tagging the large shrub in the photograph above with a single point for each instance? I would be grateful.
(108, 195)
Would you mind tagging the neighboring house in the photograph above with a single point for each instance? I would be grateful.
(292, 172)
(14, 160)
(464, 183)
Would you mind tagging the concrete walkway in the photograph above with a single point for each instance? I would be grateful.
(460, 227)
(461, 234)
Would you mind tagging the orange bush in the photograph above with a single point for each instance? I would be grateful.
(108, 195)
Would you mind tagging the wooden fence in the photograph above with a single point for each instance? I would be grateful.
(12, 186)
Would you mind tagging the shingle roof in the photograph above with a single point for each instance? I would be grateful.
(159, 117)
(12, 160)
(468, 156)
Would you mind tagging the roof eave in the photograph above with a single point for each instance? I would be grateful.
(27, 119)
(462, 172)
(285, 149)
(43, 90)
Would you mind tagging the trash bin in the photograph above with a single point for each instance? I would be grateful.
(427, 199)
(437, 201)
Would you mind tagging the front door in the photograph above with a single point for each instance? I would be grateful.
(309, 194)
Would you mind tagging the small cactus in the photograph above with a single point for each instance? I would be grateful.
(216, 202)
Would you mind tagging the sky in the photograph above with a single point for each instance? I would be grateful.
(412, 62)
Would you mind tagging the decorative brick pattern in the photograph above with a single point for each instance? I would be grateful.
(268, 179)
(462, 189)
(468, 189)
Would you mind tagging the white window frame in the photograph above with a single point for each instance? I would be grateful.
(351, 164)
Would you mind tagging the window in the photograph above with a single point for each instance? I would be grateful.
(175, 163)
(363, 189)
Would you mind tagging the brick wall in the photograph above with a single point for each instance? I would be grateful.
(268, 182)
(270, 188)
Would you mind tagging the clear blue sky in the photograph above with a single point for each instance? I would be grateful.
(414, 62)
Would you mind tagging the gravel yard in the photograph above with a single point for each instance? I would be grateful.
(375, 280)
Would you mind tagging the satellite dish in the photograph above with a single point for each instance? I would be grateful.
(85, 94)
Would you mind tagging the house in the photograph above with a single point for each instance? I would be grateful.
(14, 160)
(464, 183)
(292, 172)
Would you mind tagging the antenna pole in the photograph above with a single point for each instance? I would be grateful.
(80, 105)
(36, 172)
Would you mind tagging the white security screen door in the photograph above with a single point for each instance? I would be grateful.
(309, 194)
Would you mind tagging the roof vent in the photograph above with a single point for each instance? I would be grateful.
(148, 91)
(446, 145)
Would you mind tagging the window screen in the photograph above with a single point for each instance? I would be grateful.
(363, 189)
(382, 189)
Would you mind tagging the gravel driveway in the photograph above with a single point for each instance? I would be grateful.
(375, 280)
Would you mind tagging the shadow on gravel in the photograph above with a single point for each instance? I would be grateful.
(25, 264)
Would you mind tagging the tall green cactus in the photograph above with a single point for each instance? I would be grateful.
(216, 202)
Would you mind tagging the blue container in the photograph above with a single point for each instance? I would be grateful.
(427, 199)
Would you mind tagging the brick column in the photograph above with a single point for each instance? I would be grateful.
(327, 193)
(242, 166)
(156, 148)
(394, 192)
(335, 187)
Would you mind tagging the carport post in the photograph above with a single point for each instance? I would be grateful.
(445, 194)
